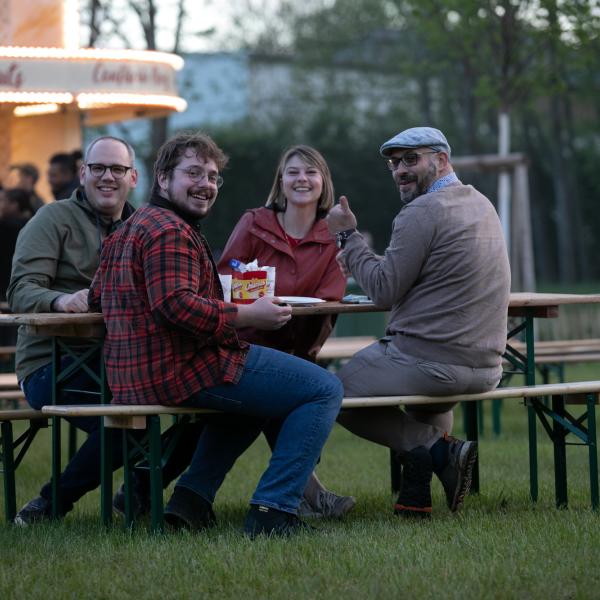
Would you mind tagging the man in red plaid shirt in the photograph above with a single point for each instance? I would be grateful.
(171, 339)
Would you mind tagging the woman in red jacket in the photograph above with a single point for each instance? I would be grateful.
(290, 234)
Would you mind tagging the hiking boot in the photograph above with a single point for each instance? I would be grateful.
(264, 520)
(188, 510)
(36, 510)
(414, 499)
(140, 498)
(327, 506)
(457, 473)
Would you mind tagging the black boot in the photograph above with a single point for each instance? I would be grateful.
(264, 520)
(188, 510)
(414, 499)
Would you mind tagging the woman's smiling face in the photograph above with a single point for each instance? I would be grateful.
(302, 183)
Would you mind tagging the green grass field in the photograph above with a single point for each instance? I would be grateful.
(498, 546)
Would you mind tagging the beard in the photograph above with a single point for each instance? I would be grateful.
(180, 198)
(423, 182)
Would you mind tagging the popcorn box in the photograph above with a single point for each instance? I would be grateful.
(248, 286)
(226, 285)
(270, 281)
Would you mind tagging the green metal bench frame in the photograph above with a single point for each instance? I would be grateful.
(10, 446)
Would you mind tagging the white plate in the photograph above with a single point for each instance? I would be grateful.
(300, 299)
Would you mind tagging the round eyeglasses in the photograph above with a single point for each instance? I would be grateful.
(196, 174)
(117, 171)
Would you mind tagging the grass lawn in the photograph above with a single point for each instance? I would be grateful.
(498, 546)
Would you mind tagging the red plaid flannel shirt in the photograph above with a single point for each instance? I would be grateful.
(169, 333)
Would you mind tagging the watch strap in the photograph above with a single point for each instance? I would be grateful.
(342, 236)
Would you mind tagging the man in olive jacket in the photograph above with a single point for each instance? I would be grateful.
(55, 259)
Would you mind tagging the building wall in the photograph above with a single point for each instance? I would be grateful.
(224, 88)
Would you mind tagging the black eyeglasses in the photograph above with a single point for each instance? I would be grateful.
(117, 171)
(410, 159)
(199, 174)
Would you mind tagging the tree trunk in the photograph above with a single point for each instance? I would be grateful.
(158, 136)
(567, 265)
(504, 207)
(563, 215)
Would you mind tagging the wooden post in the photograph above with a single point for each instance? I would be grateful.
(527, 261)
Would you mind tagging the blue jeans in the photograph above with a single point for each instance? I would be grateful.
(274, 385)
(82, 473)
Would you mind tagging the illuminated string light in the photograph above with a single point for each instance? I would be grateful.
(32, 110)
(99, 100)
(176, 62)
(36, 97)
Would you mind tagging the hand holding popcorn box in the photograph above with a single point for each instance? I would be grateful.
(250, 282)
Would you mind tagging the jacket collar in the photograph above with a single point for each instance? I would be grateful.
(162, 202)
(107, 223)
(266, 219)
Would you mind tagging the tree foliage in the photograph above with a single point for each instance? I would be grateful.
(456, 64)
(126, 21)
(453, 64)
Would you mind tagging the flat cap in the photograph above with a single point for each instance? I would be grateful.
(417, 137)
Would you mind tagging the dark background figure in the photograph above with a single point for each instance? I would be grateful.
(14, 213)
(26, 175)
(63, 176)
(78, 158)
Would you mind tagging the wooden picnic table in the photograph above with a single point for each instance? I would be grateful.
(63, 327)
(543, 304)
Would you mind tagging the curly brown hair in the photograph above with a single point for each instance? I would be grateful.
(170, 153)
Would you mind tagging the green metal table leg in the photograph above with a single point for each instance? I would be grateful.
(480, 421)
(106, 452)
(472, 431)
(127, 481)
(497, 417)
(560, 454)
(72, 440)
(156, 484)
(8, 468)
(56, 466)
(395, 472)
(592, 449)
(105, 473)
(56, 442)
(531, 416)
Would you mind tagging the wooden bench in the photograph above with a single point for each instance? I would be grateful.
(555, 419)
(9, 446)
(546, 352)
(14, 395)
(340, 348)
(10, 392)
(553, 354)
(8, 381)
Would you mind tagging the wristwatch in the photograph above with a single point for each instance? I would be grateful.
(342, 236)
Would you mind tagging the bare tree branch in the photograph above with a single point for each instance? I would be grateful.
(181, 14)
(95, 11)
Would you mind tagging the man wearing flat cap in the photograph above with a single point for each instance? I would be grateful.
(445, 278)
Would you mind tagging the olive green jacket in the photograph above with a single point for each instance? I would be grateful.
(57, 252)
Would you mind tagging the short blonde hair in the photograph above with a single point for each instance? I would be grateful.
(277, 200)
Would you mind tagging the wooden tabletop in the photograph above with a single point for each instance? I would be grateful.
(92, 325)
(344, 347)
(63, 324)
(519, 299)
